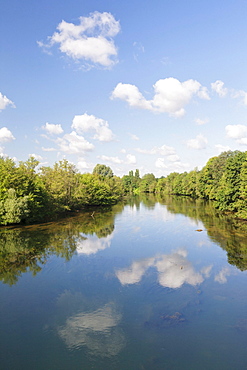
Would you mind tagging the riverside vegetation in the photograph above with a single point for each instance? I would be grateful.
(29, 194)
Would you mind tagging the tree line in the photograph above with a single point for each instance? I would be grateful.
(223, 180)
(29, 194)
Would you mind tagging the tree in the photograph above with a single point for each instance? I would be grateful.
(148, 183)
(13, 210)
(94, 190)
(131, 182)
(242, 201)
(210, 175)
(102, 170)
(228, 193)
(7, 175)
(60, 182)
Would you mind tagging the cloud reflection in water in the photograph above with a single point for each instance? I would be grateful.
(97, 330)
(93, 244)
(221, 277)
(174, 270)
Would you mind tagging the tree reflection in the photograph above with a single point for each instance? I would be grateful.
(27, 249)
(223, 229)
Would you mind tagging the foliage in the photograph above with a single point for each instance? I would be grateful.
(102, 170)
(29, 194)
(13, 210)
(228, 192)
(93, 190)
(223, 179)
(60, 183)
(148, 183)
(131, 182)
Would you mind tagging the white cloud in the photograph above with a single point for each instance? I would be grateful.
(173, 158)
(48, 149)
(179, 166)
(74, 144)
(238, 133)
(162, 150)
(170, 95)
(203, 93)
(90, 41)
(132, 95)
(6, 135)
(53, 129)
(200, 142)
(160, 163)
(201, 122)
(110, 159)
(218, 87)
(222, 148)
(82, 165)
(36, 156)
(134, 137)
(85, 122)
(4, 102)
(244, 95)
(138, 48)
(240, 94)
(131, 159)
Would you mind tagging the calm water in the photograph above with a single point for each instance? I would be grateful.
(153, 284)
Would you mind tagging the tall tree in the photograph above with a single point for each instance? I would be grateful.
(228, 192)
(102, 170)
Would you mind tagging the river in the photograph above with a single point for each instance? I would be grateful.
(153, 283)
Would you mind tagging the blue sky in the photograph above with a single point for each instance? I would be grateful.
(160, 86)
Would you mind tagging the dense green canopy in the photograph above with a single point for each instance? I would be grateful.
(32, 194)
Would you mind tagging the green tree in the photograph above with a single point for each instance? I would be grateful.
(148, 183)
(242, 201)
(94, 190)
(228, 193)
(102, 170)
(210, 175)
(13, 209)
(60, 183)
(8, 176)
(131, 182)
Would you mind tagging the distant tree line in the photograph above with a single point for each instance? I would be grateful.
(29, 195)
(223, 180)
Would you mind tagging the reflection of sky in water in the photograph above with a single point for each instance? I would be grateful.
(93, 244)
(97, 330)
(198, 224)
(206, 271)
(174, 270)
(221, 277)
(161, 213)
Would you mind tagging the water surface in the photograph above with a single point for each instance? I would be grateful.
(152, 284)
